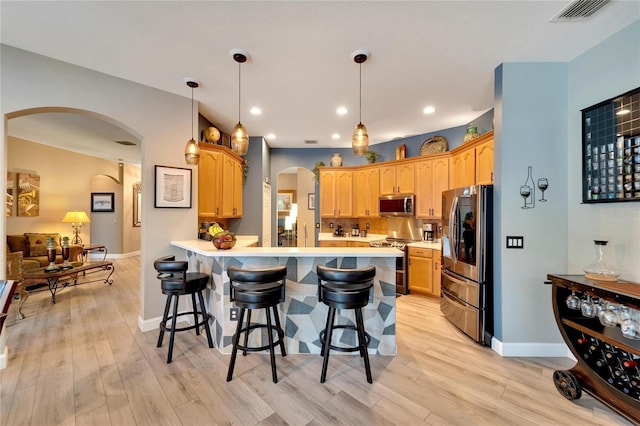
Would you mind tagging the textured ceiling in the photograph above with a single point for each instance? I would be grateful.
(440, 53)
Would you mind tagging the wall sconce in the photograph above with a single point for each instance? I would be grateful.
(529, 190)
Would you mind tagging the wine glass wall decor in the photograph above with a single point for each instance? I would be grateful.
(528, 189)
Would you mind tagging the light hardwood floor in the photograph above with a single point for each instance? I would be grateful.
(83, 361)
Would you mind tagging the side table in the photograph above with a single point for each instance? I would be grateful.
(90, 248)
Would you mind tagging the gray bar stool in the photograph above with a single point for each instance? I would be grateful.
(175, 281)
(345, 289)
(257, 289)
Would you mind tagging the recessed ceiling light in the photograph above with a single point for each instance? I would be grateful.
(271, 136)
(341, 111)
(428, 110)
(623, 111)
(255, 111)
(335, 136)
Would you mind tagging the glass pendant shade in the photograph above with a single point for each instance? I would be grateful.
(240, 139)
(360, 140)
(192, 152)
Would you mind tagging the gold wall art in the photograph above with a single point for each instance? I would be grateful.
(8, 211)
(28, 195)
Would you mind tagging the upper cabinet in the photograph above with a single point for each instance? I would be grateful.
(219, 197)
(367, 191)
(397, 179)
(336, 192)
(472, 163)
(432, 178)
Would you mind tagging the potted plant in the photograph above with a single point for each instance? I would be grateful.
(371, 156)
(316, 171)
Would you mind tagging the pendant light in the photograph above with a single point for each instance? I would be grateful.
(239, 136)
(360, 139)
(192, 150)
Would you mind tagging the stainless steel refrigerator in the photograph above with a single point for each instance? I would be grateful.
(467, 261)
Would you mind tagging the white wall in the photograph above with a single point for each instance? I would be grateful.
(156, 117)
(609, 69)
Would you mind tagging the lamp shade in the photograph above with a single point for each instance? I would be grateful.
(240, 139)
(76, 217)
(360, 140)
(192, 152)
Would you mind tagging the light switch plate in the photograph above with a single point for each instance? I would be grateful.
(515, 242)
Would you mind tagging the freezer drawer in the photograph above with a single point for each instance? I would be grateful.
(463, 316)
(466, 290)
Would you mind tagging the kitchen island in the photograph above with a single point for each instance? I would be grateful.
(301, 315)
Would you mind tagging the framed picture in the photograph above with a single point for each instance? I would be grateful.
(28, 195)
(172, 187)
(102, 202)
(137, 204)
(286, 200)
(311, 201)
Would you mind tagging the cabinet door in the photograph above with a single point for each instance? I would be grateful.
(232, 172)
(209, 183)
(405, 178)
(332, 243)
(440, 184)
(344, 193)
(361, 189)
(484, 163)
(373, 185)
(420, 275)
(424, 194)
(463, 169)
(387, 180)
(437, 271)
(327, 193)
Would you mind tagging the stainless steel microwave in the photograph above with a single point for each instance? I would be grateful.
(397, 205)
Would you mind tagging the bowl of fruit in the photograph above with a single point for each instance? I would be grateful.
(224, 240)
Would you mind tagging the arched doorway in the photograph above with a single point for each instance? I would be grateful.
(295, 217)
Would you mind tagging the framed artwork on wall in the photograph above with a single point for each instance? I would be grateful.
(311, 201)
(286, 200)
(172, 187)
(102, 202)
(28, 195)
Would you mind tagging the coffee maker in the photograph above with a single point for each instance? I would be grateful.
(428, 232)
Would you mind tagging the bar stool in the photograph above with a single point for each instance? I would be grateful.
(256, 289)
(176, 281)
(345, 289)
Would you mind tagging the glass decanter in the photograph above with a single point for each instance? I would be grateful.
(601, 270)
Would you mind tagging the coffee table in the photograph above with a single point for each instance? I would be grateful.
(53, 278)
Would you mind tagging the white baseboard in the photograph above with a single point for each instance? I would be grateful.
(148, 325)
(542, 350)
(100, 256)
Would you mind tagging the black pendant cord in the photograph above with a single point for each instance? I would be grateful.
(192, 113)
(239, 90)
(360, 119)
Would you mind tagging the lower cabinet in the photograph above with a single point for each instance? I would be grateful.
(424, 271)
(332, 243)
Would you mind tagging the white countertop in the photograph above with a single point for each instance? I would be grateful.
(242, 249)
(427, 245)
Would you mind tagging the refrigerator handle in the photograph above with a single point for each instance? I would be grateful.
(452, 230)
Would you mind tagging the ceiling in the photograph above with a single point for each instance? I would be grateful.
(422, 53)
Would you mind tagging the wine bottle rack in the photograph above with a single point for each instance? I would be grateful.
(608, 362)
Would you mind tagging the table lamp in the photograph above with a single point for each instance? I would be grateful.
(76, 219)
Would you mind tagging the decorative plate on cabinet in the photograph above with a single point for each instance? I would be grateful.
(433, 145)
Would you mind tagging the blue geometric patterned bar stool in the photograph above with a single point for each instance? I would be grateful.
(175, 281)
(257, 289)
(345, 289)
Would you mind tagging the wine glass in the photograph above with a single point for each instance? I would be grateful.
(573, 301)
(525, 191)
(543, 184)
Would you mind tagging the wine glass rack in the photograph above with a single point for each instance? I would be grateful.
(608, 362)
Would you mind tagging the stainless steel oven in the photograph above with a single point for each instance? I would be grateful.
(401, 262)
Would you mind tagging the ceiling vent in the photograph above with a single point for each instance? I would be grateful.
(126, 143)
(579, 10)
(310, 141)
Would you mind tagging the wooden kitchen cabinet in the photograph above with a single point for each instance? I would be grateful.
(420, 270)
(397, 179)
(472, 163)
(432, 178)
(484, 163)
(437, 273)
(336, 192)
(219, 182)
(332, 243)
(367, 191)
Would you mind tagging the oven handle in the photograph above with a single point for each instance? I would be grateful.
(453, 298)
(453, 278)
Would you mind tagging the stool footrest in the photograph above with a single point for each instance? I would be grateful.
(163, 324)
(261, 348)
(367, 339)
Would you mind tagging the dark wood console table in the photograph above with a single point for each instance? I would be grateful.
(608, 364)
(52, 278)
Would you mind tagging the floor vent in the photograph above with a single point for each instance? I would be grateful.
(310, 141)
(579, 10)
